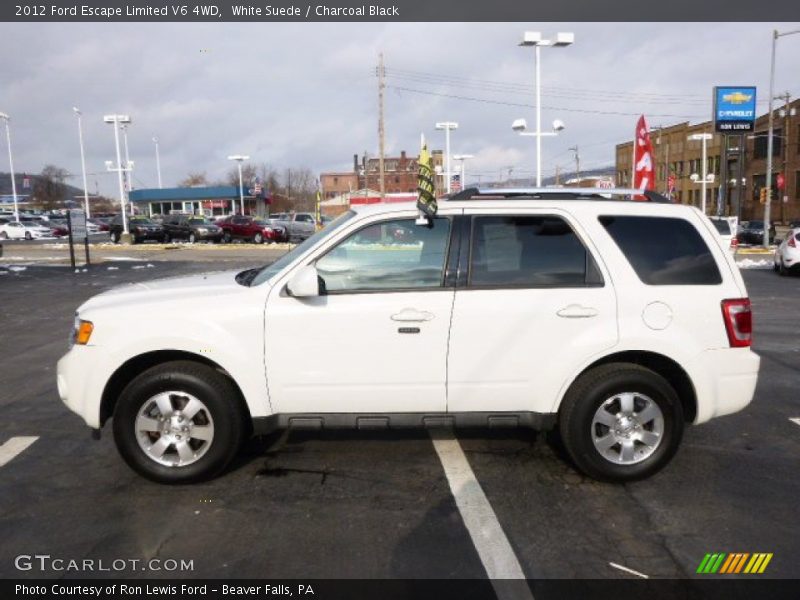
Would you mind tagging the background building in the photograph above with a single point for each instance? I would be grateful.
(677, 156)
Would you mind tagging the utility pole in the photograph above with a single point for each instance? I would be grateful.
(381, 86)
(786, 98)
(577, 164)
(558, 175)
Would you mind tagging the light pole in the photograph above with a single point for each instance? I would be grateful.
(128, 163)
(116, 120)
(534, 38)
(768, 183)
(704, 137)
(158, 163)
(6, 118)
(463, 158)
(239, 158)
(447, 126)
(78, 114)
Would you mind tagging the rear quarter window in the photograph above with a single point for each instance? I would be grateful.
(663, 250)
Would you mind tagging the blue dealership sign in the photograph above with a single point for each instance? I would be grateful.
(734, 108)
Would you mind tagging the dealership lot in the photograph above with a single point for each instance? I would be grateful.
(359, 504)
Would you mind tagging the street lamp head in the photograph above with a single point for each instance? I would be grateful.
(117, 119)
(109, 164)
(4, 116)
(564, 38)
(558, 125)
(519, 125)
(238, 157)
(77, 110)
(462, 156)
(531, 38)
(694, 177)
(446, 125)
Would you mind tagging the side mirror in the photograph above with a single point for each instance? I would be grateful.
(305, 283)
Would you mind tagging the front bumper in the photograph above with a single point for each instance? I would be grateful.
(725, 381)
(75, 384)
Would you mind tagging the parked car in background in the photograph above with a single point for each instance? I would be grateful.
(723, 227)
(100, 223)
(24, 230)
(787, 254)
(140, 228)
(190, 228)
(752, 232)
(239, 227)
(58, 227)
(299, 226)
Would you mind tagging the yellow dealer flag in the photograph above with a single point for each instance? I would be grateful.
(426, 201)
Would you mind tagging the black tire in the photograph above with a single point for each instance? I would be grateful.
(585, 397)
(115, 237)
(3, 235)
(226, 237)
(192, 238)
(258, 239)
(782, 271)
(207, 385)
(28, 236)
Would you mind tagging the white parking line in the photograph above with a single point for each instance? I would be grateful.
(631, 571)
(13, 447)
(487, 535)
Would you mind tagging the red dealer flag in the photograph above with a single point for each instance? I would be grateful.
(643, 172)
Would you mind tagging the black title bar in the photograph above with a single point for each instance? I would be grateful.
(398, 10)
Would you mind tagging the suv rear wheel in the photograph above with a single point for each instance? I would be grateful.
(179, 422)
(621, 422)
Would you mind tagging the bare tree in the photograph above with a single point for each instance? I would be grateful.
(194, 180)
(49, 189)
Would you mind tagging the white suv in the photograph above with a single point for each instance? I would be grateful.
(616, 321)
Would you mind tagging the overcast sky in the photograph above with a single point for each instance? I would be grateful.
(305, 95)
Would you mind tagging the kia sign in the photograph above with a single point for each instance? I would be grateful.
(734, 109)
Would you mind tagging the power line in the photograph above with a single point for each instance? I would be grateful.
(524, 105)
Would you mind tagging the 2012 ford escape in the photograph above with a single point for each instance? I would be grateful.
(615, 321)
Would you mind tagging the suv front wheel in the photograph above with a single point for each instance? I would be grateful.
(179, 422)
(621, 422)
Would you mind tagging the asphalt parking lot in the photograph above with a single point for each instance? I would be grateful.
(380, 505)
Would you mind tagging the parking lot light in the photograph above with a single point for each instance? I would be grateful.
(78, 114)
(703, 137)
(448, 126)
(117, 120)
(239, 158)
(6, 118)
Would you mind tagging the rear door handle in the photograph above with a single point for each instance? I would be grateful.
(412, 315)
(576, 311)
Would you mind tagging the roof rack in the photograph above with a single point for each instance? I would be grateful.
(557, 194)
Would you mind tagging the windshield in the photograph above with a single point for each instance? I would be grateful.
(200, 221)
(756, 224)
(275, 268)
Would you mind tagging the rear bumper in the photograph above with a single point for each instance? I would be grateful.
(725, 381)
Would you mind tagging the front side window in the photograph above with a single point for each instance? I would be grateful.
(663, 250)
(529, 251)
(390, 255)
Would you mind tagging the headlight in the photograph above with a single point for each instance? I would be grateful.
(81, 332)
(202, 230)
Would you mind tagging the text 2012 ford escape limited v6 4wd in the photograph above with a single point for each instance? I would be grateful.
(617, 321)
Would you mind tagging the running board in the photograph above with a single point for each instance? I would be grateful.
(380, 421)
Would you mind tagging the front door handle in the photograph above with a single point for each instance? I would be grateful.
(576, 311)
(412, 315)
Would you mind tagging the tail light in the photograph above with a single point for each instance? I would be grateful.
(738, 322)
(734, 242)
(791, 243)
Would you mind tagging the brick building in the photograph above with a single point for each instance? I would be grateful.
(676, 155)
(400, 175)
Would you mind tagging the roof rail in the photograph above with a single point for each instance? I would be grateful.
(558, 194)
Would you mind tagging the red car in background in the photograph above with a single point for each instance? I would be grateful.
(238, 227)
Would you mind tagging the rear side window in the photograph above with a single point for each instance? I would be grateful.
(529, 251)
(723, 227)
(663, 250)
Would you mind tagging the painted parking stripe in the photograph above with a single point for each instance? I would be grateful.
(14, 447)
(627, 570)
(795, 420)
(480, 520)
